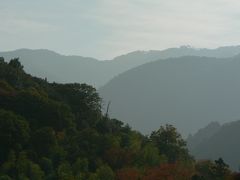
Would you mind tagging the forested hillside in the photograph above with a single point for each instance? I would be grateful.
(57, 131)
(217, 141)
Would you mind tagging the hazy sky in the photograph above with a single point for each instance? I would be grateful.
(107, 28)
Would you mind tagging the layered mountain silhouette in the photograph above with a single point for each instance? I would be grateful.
(186, 87)
(65, 69)
(216, 141)
(188, 92)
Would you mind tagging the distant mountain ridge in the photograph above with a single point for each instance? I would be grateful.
(202, 135)
(64, 69)
(221, 141)
(188, 92)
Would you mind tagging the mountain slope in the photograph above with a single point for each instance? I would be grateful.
(57, 131)
(60, 68)
(188, 92)
(222, 143)
(202, 135)
(55, 67)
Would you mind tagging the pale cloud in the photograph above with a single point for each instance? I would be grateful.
(160, 24)
(18, 25)
(107, 28)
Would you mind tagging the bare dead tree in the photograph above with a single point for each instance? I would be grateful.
(108, 106)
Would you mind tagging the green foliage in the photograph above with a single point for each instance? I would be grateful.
(57, 131)
(1, 60)
(43, 140)
(220, 169)
(16, 64)
(64, 171)
(105, 173)
(5, 177)
(14, 132)
(46, 165)
(21, 167)
(81, 169)
(150, 156)
(5, 88)
(170, 143)
(83, 100)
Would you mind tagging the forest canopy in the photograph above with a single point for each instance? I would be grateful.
(58, 131)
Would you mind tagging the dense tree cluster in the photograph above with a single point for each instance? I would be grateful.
(57, 131)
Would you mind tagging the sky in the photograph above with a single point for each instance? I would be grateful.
(107, 28)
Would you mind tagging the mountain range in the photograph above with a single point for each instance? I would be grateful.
(188, 92)
(186, 87)
(215, 140)
(66, 69)
(190, 88)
